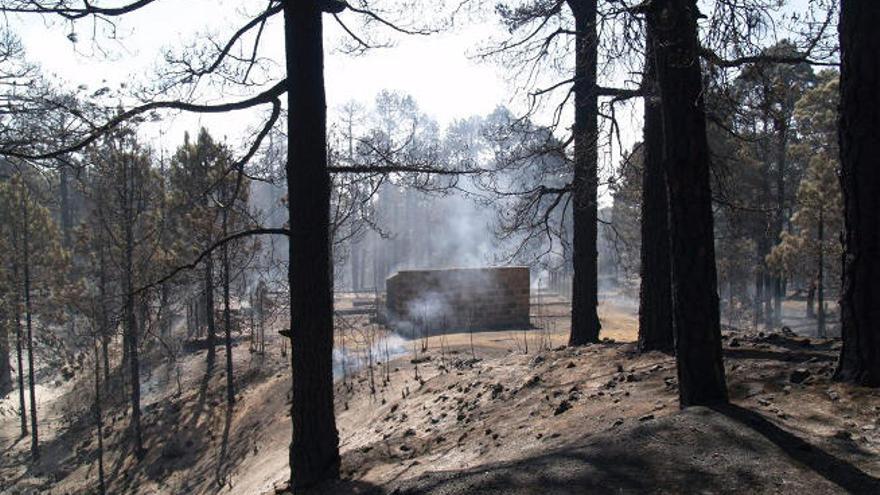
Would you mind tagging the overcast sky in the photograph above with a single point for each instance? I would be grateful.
(435, 69)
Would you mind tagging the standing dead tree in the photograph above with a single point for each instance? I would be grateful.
(859, 148)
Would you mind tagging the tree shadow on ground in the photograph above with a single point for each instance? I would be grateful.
(838, 471)
(782, 356)
(727, 450)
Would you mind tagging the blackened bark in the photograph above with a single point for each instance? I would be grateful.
(66, 213)
(811, 300)
(99, 423)
(686, 157)
(209, 309)
(28, 313)
(19, 354)
(782, 129)
(655, 291)
(314, 450)
(5, 370)
(131, 329)
(860, 180)
(820, 278)
(759, 289)
(585, 324)
(227, 317)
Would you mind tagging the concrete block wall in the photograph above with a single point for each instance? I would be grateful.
(458, 299)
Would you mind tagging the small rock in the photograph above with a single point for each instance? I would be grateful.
(799, 375)
(647, 417)
(562, 407)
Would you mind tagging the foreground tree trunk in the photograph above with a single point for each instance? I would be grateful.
(655, 291)
(686, 157)
(314, 451)
(860, 181)
(584, 300)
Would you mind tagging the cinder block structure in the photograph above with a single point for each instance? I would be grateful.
(432, 301)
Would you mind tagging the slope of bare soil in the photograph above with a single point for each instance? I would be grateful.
(489, 418)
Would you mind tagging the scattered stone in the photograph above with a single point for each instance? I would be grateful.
(570, 365)
(834, 396)
(734, 342)
(647, 417)
(799, 375)
(562, 407)
(842, 435)
(496, 390)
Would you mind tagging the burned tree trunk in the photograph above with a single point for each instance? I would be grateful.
(820, 278)
(860, 181)
(5, 370)
(655, 291)
(227, 317)
(584, 301)
(673, 25)
(209, 310)
(130, 340)
(314, 450)
(19, 354)
(99, 422)
(28, 315)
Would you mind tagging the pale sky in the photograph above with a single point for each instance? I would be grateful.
(435, 70)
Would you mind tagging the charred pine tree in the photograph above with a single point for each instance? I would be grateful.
(655, 291)
(99, 421)
(585, 257)
(673, 26)
(5, 370)
(860, 181)
(314, 450)
(28, 314)
(227, 317)
(19, 342)
(131, 327)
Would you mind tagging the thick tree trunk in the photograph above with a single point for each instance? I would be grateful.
(655, 291)
(585, 324)
(860, 178)
(686, 157)
(314, 450)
